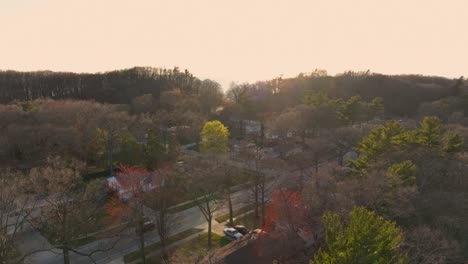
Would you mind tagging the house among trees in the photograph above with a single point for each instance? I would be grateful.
(147, 184)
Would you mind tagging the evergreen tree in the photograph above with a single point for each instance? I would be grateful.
(366, 239)
(431, 131)
(375, 107)
(405, 170)
(379, 140)
(454, 143)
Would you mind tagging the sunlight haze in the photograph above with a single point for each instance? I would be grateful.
(236, 40)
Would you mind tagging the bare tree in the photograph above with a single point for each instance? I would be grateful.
(70, 208)
(251, 158)
(227, 182)
(16, 205)
(260, 185)
(161, 198)
(430, 246)
(207, 180)
(111, 127)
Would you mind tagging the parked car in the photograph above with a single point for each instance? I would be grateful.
(242, 229)
(147, 226)
(232, 233)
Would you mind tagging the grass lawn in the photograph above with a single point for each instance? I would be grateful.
(194, 249)
(235, 213)
(136, 254)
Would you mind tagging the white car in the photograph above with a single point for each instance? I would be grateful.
(231, 233)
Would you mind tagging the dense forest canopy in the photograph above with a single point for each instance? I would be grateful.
(402, 94)
(116, 87)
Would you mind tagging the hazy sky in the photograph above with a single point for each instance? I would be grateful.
(236, 40)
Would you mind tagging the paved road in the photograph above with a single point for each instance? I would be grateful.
(184, 220)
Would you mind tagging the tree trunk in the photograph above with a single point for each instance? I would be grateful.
(162, 235)
(301, 179)
(262, 133)
(209, 234)
(141, 233)
(303, 136)
(263, 207)
(66, 256)
(256, 201)
(162, 224)
(142, 247)
(241, 128)
(231, 221)
(110, 155)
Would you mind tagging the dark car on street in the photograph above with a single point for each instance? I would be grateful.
(242, 229)
(147, 226)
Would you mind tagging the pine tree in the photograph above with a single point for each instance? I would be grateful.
(366, 239)
(454, 143)
(431, 131)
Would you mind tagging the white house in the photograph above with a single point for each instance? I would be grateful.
(147, 184)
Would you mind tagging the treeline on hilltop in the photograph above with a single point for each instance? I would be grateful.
(117, 87)
(402, 94)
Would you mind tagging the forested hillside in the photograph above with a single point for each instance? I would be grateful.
(402, 94)
(116, 87)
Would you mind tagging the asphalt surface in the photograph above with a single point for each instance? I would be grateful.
(184, 220)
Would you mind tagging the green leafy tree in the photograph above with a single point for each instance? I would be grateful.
(379, 140)
(360, 165)
(352, 110)
(366, 239)
(405, 170)
(431, 131)
(214, 137)
(375, 107)
(454, 143)
(316, 99)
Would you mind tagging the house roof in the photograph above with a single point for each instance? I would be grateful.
(114, 180)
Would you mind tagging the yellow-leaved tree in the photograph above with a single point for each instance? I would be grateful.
(214, 138)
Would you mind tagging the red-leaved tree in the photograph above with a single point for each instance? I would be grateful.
(286, 227)
(127, 205)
